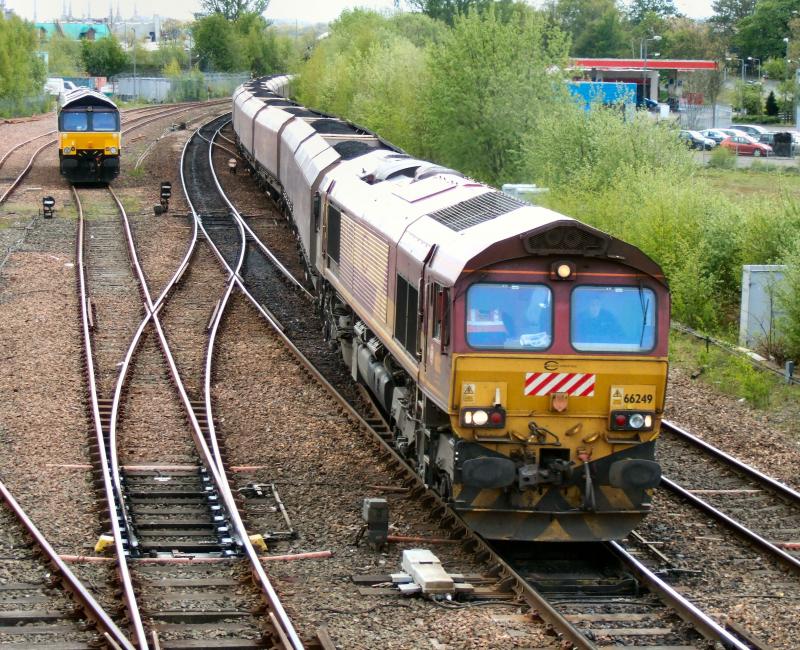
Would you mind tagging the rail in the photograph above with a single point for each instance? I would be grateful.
(79, 592)
(110, 487)
(147, 119)
(278, 615)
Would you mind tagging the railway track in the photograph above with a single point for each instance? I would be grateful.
(42, 603)
(285, 304)
(142, 117)
(182, 551)
(755, 506)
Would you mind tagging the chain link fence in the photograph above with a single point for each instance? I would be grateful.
(192, 86)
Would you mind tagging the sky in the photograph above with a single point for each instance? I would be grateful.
(301, 10)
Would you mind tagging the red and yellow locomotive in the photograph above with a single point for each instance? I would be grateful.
(519, 355)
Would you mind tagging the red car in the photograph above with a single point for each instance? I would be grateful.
(744, 145)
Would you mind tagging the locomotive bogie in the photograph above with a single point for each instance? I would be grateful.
(470, 318)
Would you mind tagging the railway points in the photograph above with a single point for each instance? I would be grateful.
(253, 463)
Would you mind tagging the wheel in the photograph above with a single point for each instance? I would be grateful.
(757, 153)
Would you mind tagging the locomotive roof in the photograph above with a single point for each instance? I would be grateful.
(471, 224)
(417, 204)
(86, 97)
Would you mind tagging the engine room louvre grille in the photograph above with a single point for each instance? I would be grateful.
(476, 210)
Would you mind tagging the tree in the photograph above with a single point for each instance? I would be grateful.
(772, 104)
(727, 13)
(638, 9)
(64, 57)
(489, 80)
(596, 27)
(761, 34)
(684, 38)
(103, 57)
(447, 10)
(264, 50)
(233, 9)
(22, 72)
(217, 44)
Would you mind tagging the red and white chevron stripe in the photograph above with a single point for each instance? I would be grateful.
(578, 384)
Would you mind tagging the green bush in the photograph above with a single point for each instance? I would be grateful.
(722, 158)
(789, 299)
(756, 119)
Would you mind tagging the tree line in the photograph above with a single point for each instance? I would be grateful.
(485, 93)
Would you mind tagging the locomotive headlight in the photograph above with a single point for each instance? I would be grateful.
(631, 421)
(493, 417)
(636, 421)
(479, 418)
(112, 151)
(69, 150)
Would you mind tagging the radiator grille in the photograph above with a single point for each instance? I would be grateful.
(566, 239)
(476, 210)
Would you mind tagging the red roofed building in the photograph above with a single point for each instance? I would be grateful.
(645, 73)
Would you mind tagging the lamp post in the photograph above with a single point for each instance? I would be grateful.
(643, 53)
(741, 91)
(758, 63)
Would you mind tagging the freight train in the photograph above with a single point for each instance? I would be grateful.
(89, 145)
(519, 355)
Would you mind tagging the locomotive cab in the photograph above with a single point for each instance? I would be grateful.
(558, 367)
(89, 137)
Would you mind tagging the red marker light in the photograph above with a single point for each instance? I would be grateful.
(496, 418)
(620, 420)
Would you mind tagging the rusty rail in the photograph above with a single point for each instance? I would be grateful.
(111, 487)
(88, 604)
(277, 614)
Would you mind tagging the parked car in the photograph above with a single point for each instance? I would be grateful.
(732, 132)
(695, 140)
(57, 86)
(753, 130)
(744, 145)
(717, 135)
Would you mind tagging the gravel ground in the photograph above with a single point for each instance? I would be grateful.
(732, 426)
(728, 579)
(322, 486)
(43, 423)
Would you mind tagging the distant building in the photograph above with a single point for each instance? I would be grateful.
(646, 74)
(74, 30)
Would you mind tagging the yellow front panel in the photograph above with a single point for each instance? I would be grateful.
(89, 140)
(579, 423)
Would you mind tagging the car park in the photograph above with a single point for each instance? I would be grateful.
(730, 132)
(696, 140)
(744, 145)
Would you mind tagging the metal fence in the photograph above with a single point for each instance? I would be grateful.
(697, 117)
(189, 86)
(25, 106)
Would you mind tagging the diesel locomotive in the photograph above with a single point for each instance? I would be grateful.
(519, 355)
(89, 145)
